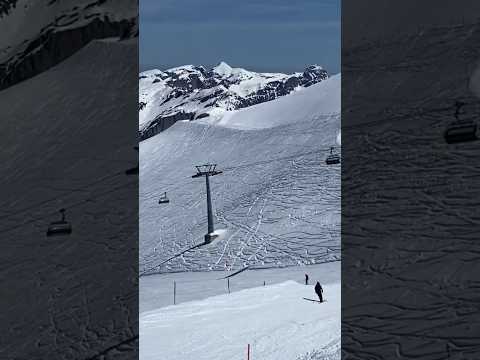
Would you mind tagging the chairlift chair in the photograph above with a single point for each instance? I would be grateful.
(460, 130)
(332, 158)
(61, 227)
(164, 199)
(133, 171)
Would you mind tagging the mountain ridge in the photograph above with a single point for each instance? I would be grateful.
(190, 92)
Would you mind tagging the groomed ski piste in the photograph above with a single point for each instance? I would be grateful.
(273, 319)
(276, 208)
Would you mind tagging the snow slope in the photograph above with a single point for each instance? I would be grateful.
(277, 200)
(411, 196)
(274, 320)
(156, 291)
(54, 290)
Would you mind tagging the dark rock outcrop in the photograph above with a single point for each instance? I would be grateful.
(6, 6)
(163, 123)
(69, 31)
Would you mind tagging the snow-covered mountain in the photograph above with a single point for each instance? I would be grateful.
(38, 34)
(191, 92)
(277, 201)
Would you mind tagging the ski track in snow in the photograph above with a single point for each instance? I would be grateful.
(428, 254)
(54, 302)
(276, 197)
(156, 290)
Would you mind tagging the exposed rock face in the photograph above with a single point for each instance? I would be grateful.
(6, 6)
(30, 47)
(191, 92)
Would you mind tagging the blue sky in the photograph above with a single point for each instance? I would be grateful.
(262, 35)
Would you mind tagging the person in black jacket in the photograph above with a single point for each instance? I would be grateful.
(319, 291)
(306, 279)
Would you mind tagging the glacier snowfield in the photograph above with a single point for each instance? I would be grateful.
(277, 202)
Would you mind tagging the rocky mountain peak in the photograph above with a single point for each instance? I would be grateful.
(223, 69)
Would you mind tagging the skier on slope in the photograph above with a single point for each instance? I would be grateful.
(306, 279)
(319, 291)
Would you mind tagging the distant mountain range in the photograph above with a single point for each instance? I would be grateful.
(191, 92)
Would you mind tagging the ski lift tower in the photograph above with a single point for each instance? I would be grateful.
(207, 171)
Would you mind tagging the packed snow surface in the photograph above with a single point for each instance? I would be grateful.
(277, 200)
(412, 198)
(156, 291)
(273, 319)
(54, 303)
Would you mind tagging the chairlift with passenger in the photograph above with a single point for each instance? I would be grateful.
(134, 170)
(61, 227)
(332, 158)
(460, 130)
(164, 199)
